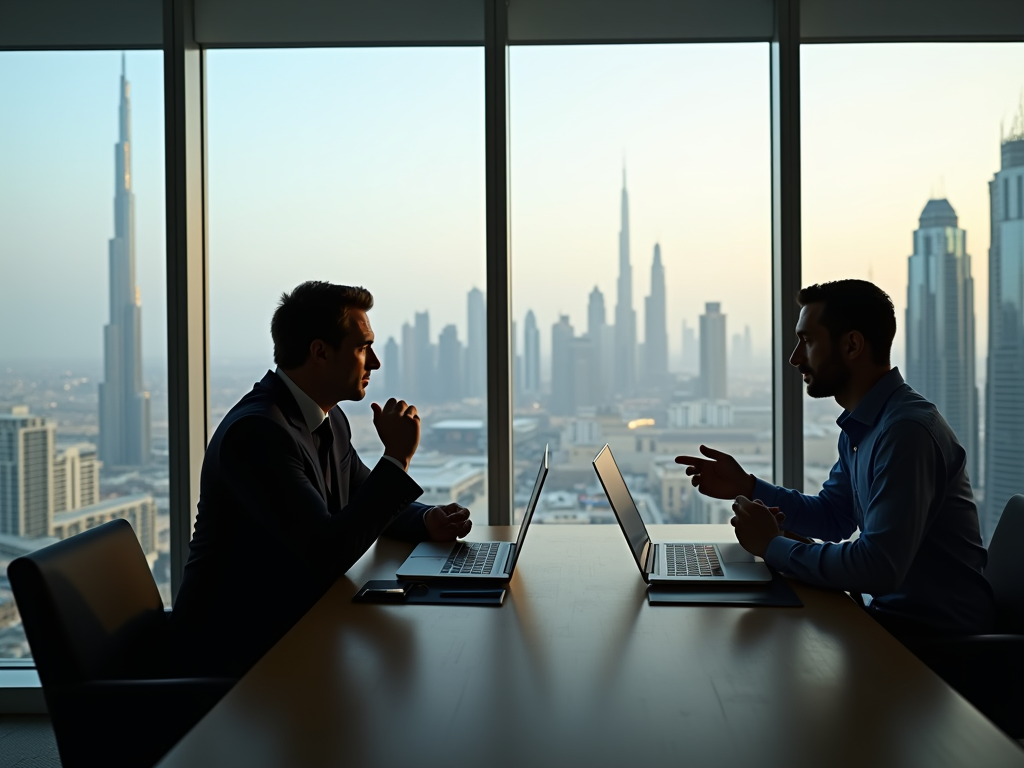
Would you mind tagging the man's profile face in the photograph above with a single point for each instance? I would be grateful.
(823, 368)
(350, 365)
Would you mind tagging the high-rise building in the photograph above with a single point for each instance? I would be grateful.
(1004, 385)
(603, 346)
(713, 384)
(76, 478)
(410, 374)
(531, 355)
(26, 473)
(655, 370)
(392, 369)
(449, 365)
(939, 324)
(691, 352)
(424, 353)
(625, 316)
(124, 405)
(562, 368)
(476, 344)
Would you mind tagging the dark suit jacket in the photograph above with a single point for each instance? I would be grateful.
(267, 545)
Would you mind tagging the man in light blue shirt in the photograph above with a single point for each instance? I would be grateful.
(901, 479)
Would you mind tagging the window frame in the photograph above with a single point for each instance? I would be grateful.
(172, 25)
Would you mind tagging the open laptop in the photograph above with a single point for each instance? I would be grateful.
(674, 561)
(492, 560)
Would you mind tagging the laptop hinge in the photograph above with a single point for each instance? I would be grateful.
(508, 560)
(648, 557)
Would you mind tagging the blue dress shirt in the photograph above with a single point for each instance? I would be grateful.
(902, 480)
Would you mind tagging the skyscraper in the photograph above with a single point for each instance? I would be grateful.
(625, 315)
(449, 365)
(392, 369)
(26, 473)
(531, 355)
(562, 368)
(476, 344)
(602, 344)
(424, 352)
(940, 324)
(691, 354)
(76, 478)
(655, 370)
(713, 384)
(124, 407)
(1004, 386)
(410, 374)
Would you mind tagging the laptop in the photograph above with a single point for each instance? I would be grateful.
(672, 562)
(489, 560)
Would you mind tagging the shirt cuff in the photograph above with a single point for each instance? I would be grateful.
(766, 492)
(779, 550)
(394, 461)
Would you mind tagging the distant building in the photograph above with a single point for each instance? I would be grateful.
(424, 353)
(603, 342)
(392, 369)
(713, 383)
(410, 373)
(26, 473)
(742, 349)
(76, 478)
(138, 509)
(939, 324)
(655, 370)
(625, 351)
(449, 365)
(124, 406)
(562, 368)
(476, 344)
(1004, 385)
(582, 432)
(531, 355)
(691, 350)
(453, 482)
(716, 414)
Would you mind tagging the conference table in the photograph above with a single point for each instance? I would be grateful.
(576, 669)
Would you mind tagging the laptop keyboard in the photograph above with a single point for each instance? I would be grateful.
(691, 560)
(472, 557)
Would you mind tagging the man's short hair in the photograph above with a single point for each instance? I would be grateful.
(314, 310)
(855, 305)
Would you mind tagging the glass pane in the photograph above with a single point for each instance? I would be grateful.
(912, 159)
(360, 167)
(641, 269)
(83, 351)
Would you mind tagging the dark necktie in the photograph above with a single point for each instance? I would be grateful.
(325, 439)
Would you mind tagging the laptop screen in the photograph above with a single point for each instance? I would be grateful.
(530, 508)
(622, 504)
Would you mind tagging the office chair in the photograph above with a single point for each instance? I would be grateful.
(98, 632)
(988, 670)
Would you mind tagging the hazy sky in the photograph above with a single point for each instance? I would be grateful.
(367, 166)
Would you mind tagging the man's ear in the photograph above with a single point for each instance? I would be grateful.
(317, 351)
(854, 345)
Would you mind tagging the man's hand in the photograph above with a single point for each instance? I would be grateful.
(447, 523)
(719, 475)
(398, 426)
(755, 524)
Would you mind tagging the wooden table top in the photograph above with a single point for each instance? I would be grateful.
(576, 669)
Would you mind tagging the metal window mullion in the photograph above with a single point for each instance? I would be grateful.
(499, 368)
(787, 391)
(187, 307)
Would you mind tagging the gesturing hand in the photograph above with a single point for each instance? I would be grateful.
(719, 475)
(447, 523)
(398, 426)
(756, 525)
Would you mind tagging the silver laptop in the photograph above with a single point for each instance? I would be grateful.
(674, 561)
(492, 560)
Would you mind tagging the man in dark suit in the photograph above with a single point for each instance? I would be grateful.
(286, 505)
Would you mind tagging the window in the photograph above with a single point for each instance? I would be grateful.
(938, 166)
(362, 166)
(641, 269)
(83, 379)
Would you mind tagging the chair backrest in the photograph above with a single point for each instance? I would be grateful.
(90, 607)
(1005, 570)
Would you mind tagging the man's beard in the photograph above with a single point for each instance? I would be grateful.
(831, 376)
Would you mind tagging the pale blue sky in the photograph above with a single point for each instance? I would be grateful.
(366, 166)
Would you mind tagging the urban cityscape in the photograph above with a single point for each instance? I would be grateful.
(85, 442)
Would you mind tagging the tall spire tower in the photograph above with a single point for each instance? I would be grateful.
(625, 315)
(656, 326)
(124, 406)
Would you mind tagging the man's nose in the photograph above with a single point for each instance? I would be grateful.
(797, 357)
(372, 361)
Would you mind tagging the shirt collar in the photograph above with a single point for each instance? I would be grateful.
(312, 413)
(870, 407)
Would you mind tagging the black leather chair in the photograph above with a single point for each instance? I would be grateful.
(988, 670)
(98, 632)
